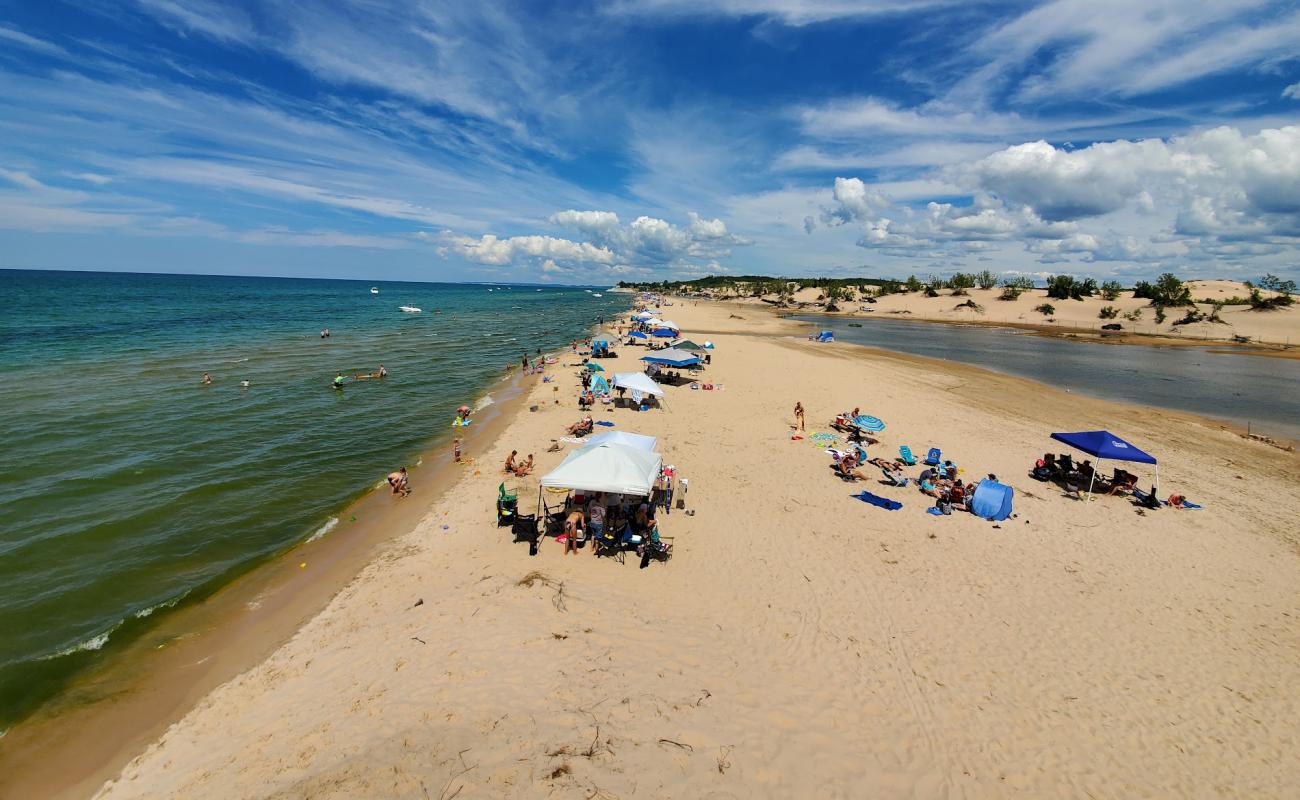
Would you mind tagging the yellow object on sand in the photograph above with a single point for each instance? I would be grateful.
(303, 565)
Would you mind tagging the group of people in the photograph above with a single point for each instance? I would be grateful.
(612, 526)
(518, 468)
(1077, 479)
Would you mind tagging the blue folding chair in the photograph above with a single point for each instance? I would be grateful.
(905, 453)
(932, 458)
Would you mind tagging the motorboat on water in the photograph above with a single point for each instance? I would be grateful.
(597, 294)
(374, 290)
(408, 309)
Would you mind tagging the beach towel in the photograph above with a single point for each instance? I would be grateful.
(604, 423)
(823, 437)
(877, 500)
(571, 439)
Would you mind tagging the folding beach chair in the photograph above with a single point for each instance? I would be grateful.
(895, 479)
(609, 544)
(905, 453)
(933, 458)
(507, 506)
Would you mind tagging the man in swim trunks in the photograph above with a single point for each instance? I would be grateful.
(510, 461)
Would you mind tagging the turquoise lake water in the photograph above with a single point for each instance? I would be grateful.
(126, 487)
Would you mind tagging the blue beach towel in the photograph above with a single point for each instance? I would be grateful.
(877, 500)
(606, 424)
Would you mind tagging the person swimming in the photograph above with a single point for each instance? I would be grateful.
(206, 380)
(244, 384)
(338, 381)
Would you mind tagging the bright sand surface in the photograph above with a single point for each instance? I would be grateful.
(1280, 327)
(800, 643)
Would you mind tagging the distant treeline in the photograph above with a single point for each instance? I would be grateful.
(1167, 291)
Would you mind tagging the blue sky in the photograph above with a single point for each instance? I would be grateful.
(593, 142)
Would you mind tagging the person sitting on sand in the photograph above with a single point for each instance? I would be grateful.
(510, 461)
(524, 467)
(1123, 481)
(957, 495)
(400, 483)
(928, 486)
(1177, 501)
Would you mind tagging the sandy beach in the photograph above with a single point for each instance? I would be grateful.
(800, 643)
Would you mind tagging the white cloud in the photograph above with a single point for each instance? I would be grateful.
(20, 39)
(1292, 91)
(223, 21)
(488, 249)
(90, 177)
(1211, 189)
(789, 12)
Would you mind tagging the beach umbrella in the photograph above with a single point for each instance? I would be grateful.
(638, 335)
(869, 423)
(595, 368)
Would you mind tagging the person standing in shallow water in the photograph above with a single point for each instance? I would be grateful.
(798, 415)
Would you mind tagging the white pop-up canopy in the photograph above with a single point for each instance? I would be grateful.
(670, 324)
(638, 440)
(607, 468)
(637, 382)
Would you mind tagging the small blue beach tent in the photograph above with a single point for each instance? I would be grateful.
(1104, 444)
(826, 336)
(992, 501)
(599, 385)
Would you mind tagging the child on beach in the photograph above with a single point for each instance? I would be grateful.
(399, 482)
(798, 415)
(455, 449)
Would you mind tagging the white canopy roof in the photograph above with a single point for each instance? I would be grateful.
(670, 324)
(607, 468)
(645, 315)
(637, 382)
(638, 440)
(654, 322)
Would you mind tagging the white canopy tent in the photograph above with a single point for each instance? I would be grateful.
(607, 467)
(638, 440)
(637, 382)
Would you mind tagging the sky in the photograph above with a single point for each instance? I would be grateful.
(584, 142)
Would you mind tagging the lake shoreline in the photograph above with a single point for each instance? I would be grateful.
(76, 741)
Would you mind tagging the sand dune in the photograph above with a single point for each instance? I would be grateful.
(1277, 327)
(800, 643)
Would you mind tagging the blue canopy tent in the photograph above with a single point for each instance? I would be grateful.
(992, 501)
(665, 333)
(1104, 444)
(637, 335)
(673, 358)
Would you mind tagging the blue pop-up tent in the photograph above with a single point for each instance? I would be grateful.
(665, 333)
(637, 335)
(992, 501)
(826, 336)
(1104, 444)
